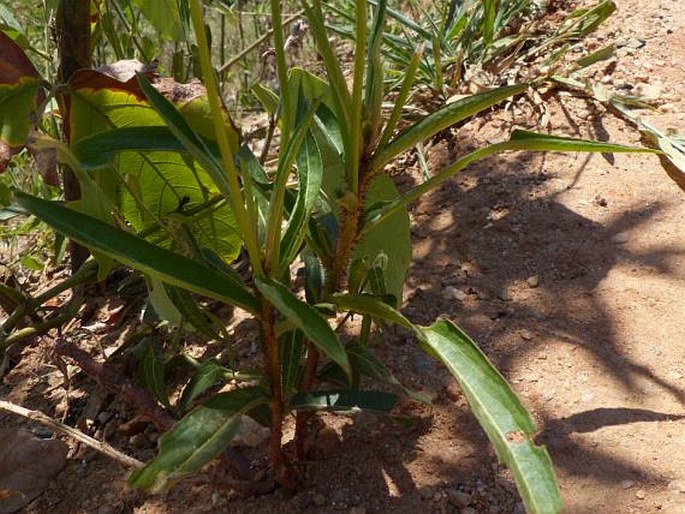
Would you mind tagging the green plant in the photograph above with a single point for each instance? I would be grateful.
(344, 220)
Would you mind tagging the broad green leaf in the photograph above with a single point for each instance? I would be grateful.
(391, 238)
(307, 319)
(195, 440)
(501, 414)
(114, 126)
(441, 119)
(152, 371)
(344, 401)
(187, 136)
(207, 375)
(165, 16)
(20, 95)
(137, 253)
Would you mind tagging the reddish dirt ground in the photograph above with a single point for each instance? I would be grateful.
(569, 271)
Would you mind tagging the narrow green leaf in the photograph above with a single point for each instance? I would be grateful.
(207, 375)
(307, 319)
(402, 96)
(499, 411)
(310, 173)
(99, 150)
(600, 55)
(292, 354)
(521, 140)
(366, 363)
(441, 119)
(344, 401)
(195, 440)
(341, 94)
(137, 253)
(152, 371)
(266, 97)
(367, 304)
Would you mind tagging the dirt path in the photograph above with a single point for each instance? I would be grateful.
(570, 273)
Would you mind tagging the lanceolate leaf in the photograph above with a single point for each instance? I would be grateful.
(137, 253)
(441, 119)
(521, 140)
(344, 401)
(500, 413)
(307, 319)
(367, 304)
(309, 172)
(199, 437)
(19, 97)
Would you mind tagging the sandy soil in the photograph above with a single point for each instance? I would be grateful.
(568, 270)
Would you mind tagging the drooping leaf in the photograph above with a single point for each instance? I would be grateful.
(391, 238)
(20, 96)
(499, 411)
(344, 401)
(199, 437)
(137, 253)
(307, 319)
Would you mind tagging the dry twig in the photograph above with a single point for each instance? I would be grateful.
(44, 419)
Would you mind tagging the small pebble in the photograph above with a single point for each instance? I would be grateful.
(139, 440)
(503, 294)
(640, 494)
(635, 43)
(627, 484)
(533, 281)
(458, 498)
(526, 335)
(452, 293)
(677, 486)
(620, 238)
